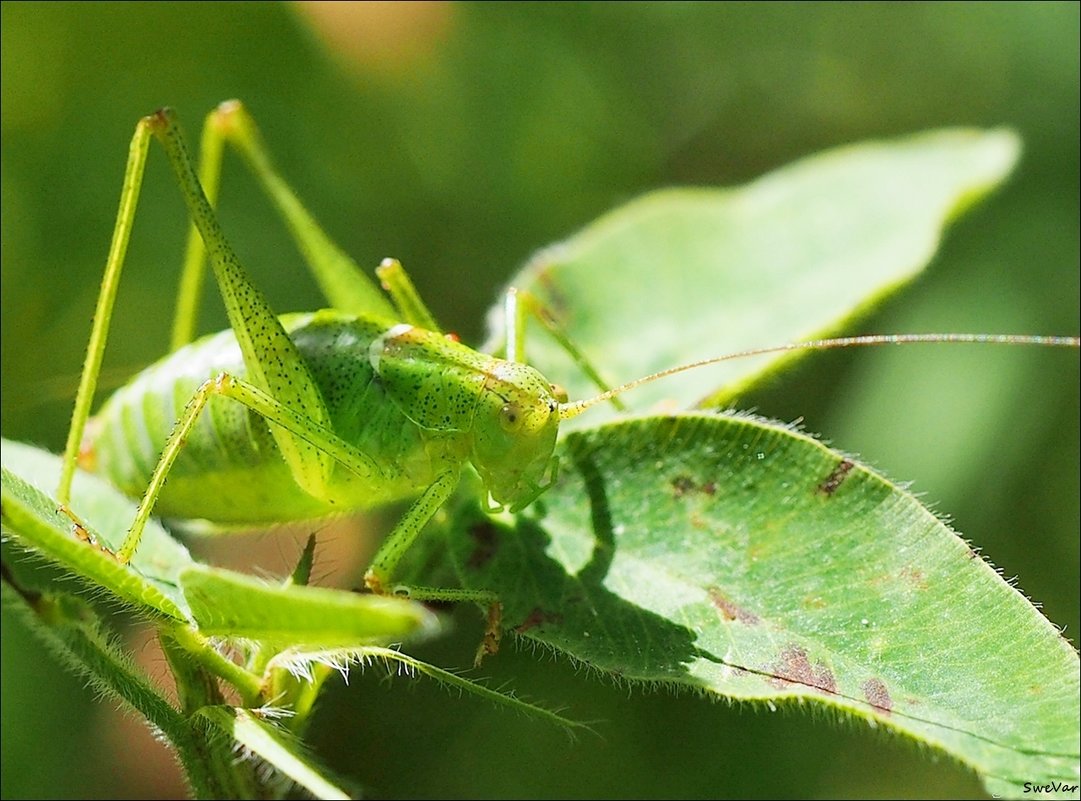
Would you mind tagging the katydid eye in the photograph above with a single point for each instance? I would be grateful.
(510, 417)
(560, 393)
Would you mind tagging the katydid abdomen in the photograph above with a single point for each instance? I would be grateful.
(230, 469)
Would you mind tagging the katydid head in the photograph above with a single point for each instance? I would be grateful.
(514, 433)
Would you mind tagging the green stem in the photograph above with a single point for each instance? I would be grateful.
(71, 629)
(200, 649)
(211, 765)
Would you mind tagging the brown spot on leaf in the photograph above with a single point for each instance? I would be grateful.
(915, 577)
(837, 477)
(684, 485)
(877, 695)
(824, 679)
(555, 302)
(485, 544)
(681, 485)
(795, 668)
(730, 610)
(537, 617)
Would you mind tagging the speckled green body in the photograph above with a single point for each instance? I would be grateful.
(415, 402)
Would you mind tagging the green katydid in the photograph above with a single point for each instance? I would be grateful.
(333, 411)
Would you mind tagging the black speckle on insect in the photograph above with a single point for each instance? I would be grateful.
(485, 543)
(836, 478)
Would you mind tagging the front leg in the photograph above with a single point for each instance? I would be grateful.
(379, 577)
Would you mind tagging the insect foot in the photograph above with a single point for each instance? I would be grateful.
(374, 583)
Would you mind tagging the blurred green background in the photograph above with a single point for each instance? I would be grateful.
(461, 137)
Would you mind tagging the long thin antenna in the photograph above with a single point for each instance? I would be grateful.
(569, 410)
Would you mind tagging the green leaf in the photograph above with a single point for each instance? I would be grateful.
(300, 662)
(234, 605)
(31, 515)
(72, 629)
(285, 753)
(685, 274)
(744, 559)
